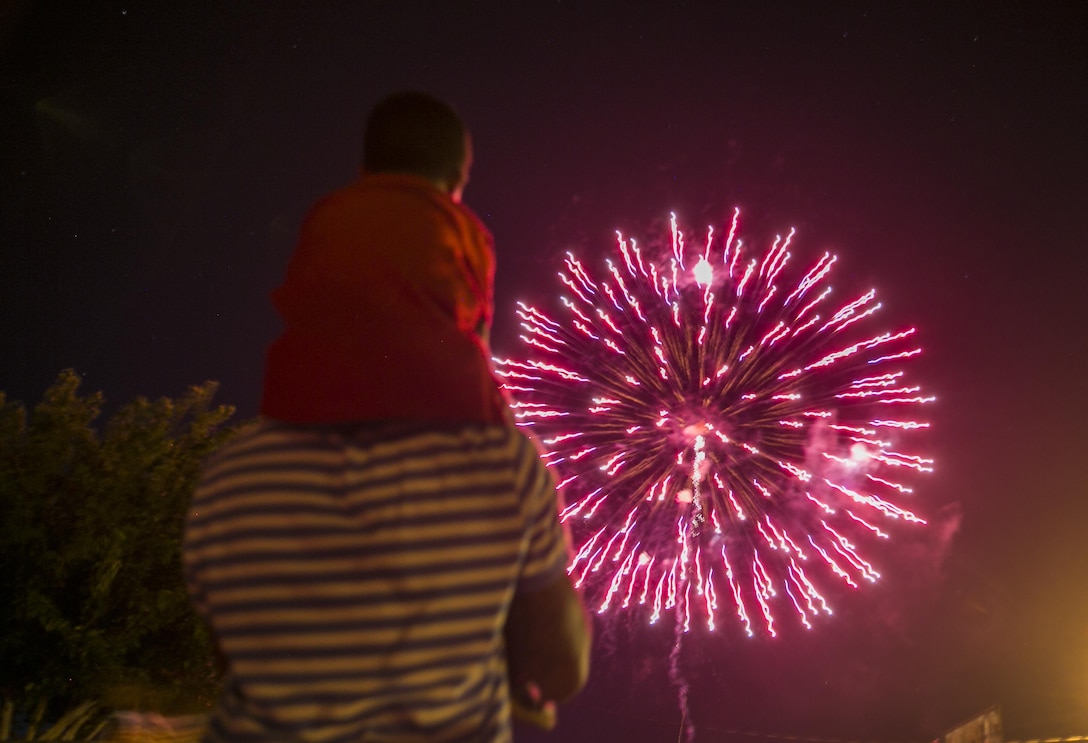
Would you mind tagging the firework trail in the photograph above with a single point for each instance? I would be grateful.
(725, 437)
(687, 726)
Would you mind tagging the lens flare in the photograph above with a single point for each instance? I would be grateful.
(725, 437)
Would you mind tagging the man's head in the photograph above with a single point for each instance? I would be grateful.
(420, 135)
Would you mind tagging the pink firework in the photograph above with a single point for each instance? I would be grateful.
(725, 437)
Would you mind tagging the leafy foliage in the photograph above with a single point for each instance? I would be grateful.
(90, 543)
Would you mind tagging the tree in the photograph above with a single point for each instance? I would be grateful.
(90, 547)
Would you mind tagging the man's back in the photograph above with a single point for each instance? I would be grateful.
(358, 579)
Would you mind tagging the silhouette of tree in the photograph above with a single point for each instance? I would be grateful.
(90, 539)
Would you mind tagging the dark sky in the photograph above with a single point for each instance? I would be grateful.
(158, 157)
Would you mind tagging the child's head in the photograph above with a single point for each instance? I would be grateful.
(418, 134)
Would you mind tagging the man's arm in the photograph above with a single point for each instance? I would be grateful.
(548, 641)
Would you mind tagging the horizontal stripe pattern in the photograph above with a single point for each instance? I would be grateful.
(358, 579)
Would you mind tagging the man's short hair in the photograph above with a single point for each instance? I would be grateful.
(414, 133)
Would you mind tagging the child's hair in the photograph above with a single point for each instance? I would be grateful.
(415, 133)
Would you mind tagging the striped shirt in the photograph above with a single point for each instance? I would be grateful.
(357, 581)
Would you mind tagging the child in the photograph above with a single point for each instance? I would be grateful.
(388, 296)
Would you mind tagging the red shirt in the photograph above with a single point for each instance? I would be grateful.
(384, 302)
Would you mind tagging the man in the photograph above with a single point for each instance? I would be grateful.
(380, 558)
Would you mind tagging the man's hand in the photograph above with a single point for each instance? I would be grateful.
(547, 636)
(528, 706)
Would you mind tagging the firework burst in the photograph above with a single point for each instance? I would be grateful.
(725, 437)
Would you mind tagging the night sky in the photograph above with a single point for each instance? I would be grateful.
(158, 158)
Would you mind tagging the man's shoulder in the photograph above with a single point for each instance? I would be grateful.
(380, 431)
(442, 434)
(269, 438)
